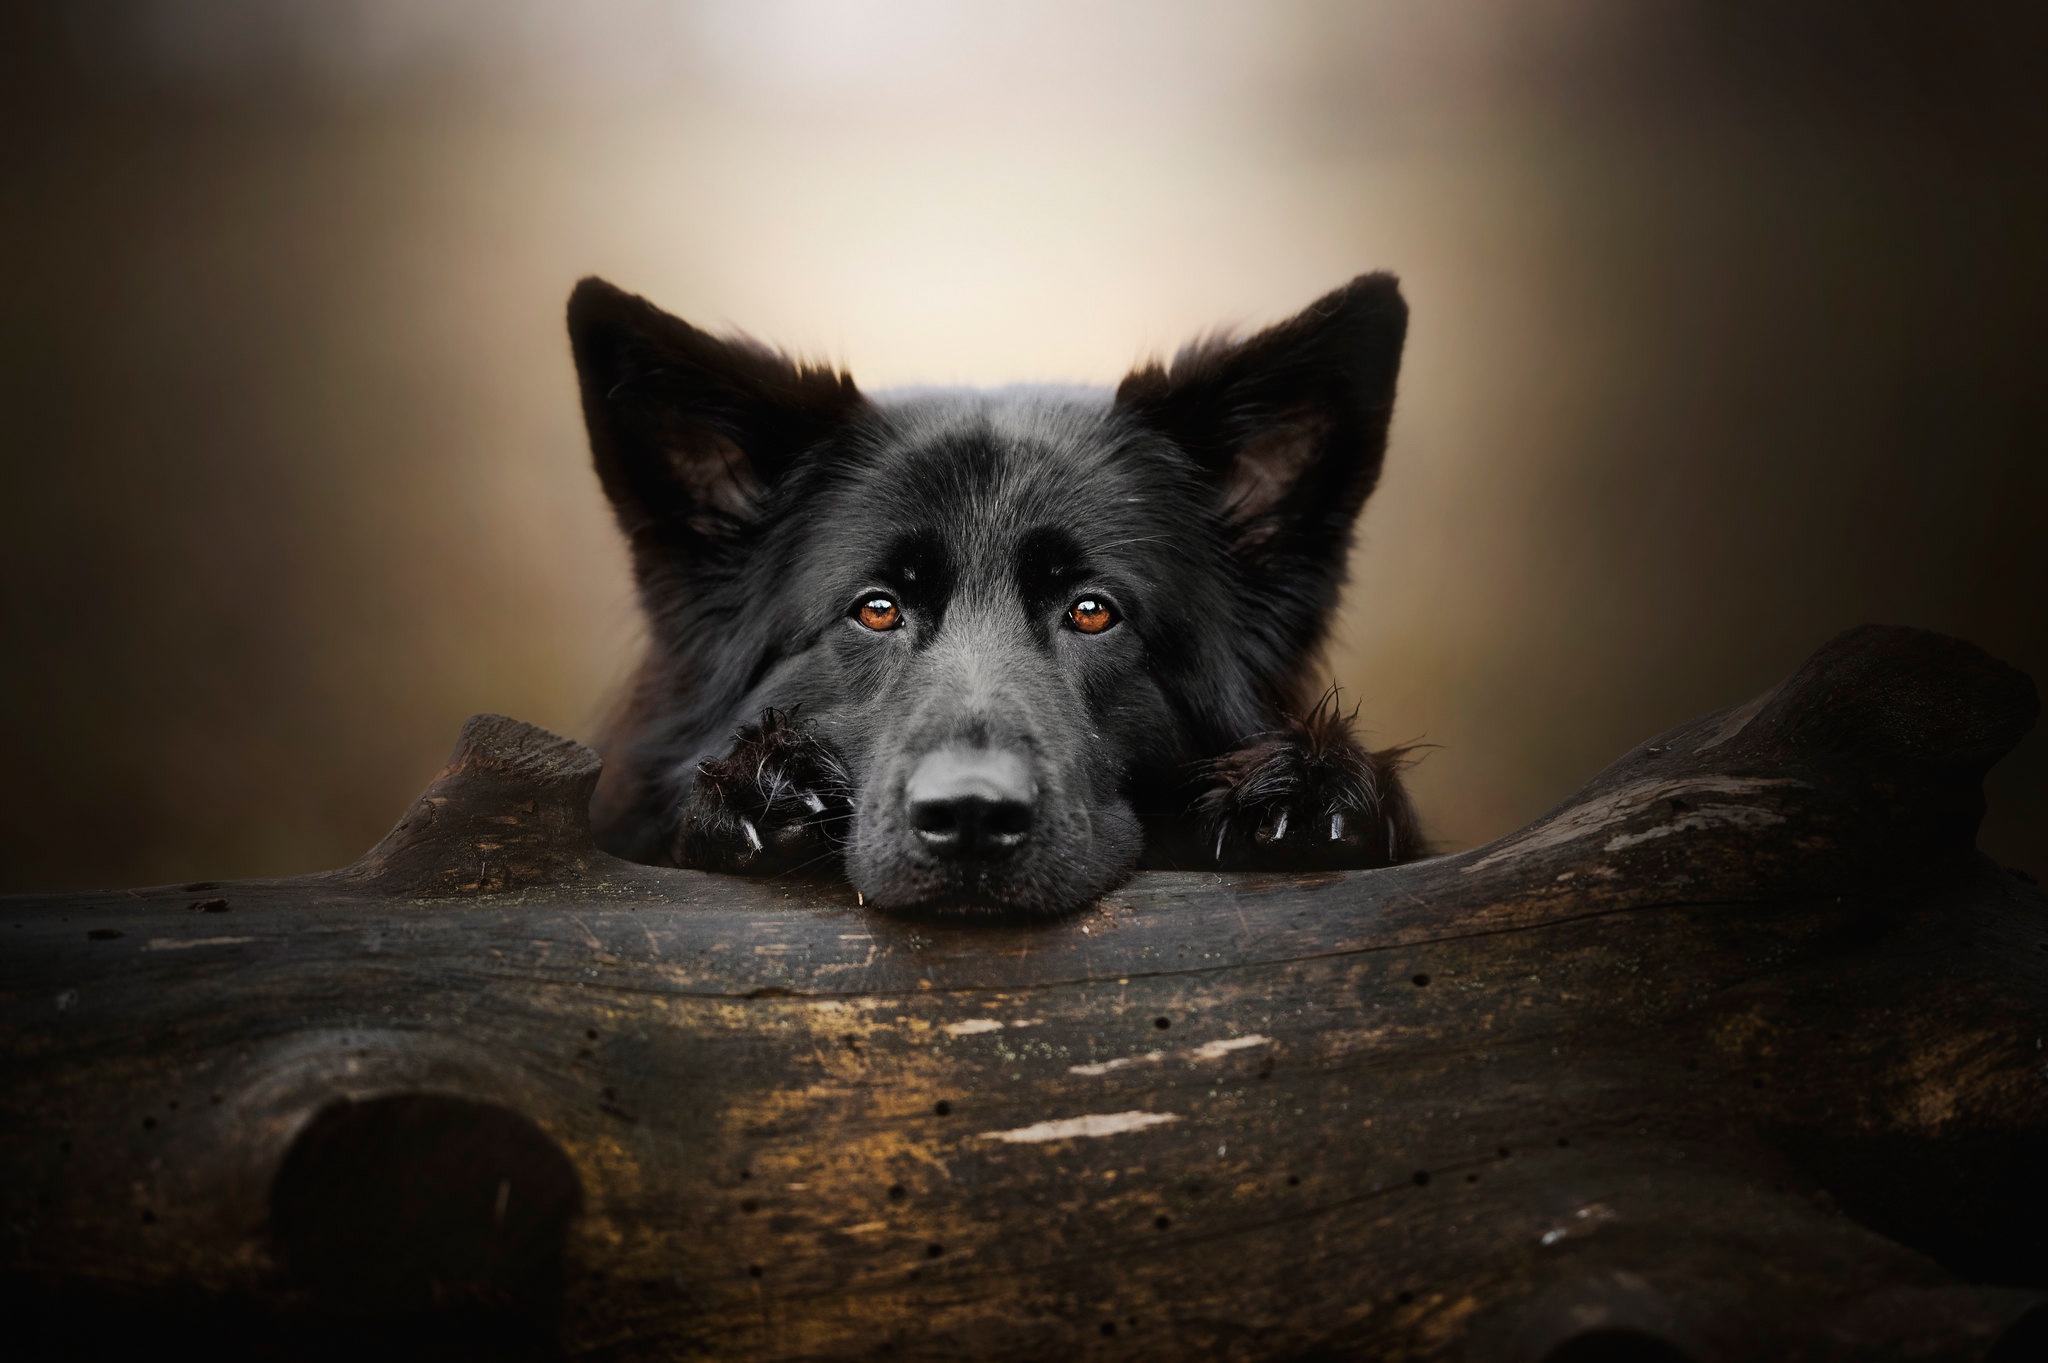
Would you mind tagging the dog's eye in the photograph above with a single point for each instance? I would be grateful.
(1091, 615)
(879, 613)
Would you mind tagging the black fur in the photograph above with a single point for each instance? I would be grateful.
(778, 800)
(1307, 797)
(984, 752)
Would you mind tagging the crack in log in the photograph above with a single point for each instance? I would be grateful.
(765, 993)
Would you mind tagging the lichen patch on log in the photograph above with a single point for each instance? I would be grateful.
(1086, 1126)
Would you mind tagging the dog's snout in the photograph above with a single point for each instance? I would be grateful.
(971, 802)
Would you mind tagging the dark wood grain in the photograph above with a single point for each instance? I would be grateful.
(1737, 1054)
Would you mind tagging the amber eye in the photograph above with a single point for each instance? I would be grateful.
(879, 613)
(1091, 615)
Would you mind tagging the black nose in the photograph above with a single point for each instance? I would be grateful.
(971, 802)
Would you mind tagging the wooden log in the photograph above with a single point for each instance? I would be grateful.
(1736, 1054)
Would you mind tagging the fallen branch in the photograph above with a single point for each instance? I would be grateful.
(1737, 1050)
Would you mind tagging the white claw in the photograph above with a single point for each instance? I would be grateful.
(1219, 843)
(753, 837)
(1280, 826)
(813, 803)
(1336, 827)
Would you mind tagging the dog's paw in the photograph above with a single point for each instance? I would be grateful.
(778, 800)
(1308, 797)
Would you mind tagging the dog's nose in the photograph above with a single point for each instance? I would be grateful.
(971, 802)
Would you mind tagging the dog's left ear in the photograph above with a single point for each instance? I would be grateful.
(689, 429)
(1290, 426)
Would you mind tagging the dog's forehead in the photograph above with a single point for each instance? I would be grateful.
(985, 468)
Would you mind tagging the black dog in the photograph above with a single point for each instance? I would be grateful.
(984, 650)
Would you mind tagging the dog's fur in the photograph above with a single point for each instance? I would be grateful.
(1209, 505)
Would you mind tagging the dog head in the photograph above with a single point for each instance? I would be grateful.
(1016, 615)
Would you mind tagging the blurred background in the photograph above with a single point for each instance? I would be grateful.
(1729, 332)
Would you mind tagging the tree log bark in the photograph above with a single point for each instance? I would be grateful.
(1736, 1054)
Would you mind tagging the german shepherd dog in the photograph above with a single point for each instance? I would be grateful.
(988, 651)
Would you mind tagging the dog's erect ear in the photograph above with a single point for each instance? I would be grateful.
(1291, 425)
(687, 429)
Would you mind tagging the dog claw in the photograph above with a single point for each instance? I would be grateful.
(770, 805)
(1351, 808)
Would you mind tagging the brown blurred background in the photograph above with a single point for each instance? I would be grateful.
(1730, 328)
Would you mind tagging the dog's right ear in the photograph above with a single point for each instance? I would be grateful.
(688, 429)
(1289, 426)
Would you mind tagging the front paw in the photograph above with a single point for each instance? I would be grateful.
(779, 800)
(1308, 797)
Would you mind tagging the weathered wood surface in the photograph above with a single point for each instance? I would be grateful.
(1737, 1054)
